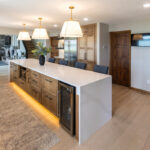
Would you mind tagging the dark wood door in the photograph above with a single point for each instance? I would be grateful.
(120, 64)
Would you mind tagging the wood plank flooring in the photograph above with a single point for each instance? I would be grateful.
(129, 128)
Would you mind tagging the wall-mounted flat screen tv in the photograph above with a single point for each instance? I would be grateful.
(140, 39)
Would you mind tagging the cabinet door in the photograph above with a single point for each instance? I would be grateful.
(87, 44)
(36, 93)
(90, 42)
(50, 102)
(22, 83)
(35, 75)
(11, 72)
(28, 77)
(50, 85)
(15, 73)
(82, 42)
(90, 55)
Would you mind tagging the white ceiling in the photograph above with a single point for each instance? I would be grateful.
(13, 13)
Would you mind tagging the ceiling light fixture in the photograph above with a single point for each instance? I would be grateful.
(40, 33)
(85, 19)
(55, 25)
(71, 28)
(24, 35)
(146, 5)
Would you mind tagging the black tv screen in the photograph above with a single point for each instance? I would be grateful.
(140, 39)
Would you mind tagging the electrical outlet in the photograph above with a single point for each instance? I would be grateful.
(148, 81)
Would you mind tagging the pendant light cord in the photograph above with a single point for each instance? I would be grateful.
(24, 27)
(40, 19)
(71, 14)
(71, 8)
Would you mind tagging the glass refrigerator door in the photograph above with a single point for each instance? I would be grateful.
(70, 49)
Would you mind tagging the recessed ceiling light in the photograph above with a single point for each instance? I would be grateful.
(55, 25)
(85, 19)
(146, 5)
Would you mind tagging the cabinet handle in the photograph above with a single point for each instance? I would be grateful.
(34, 81)
(28, 80)
(15, 77)
(48, 97)
(22, 83)
(49, 80)
(34, 90)
(35, 74)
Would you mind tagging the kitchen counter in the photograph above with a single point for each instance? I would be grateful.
(94, 92)
(73, 76)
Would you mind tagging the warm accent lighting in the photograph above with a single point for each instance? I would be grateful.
(40, 110)
(24, 35)
(146, 5)
(40, 33)
(71, 28)
(137, 37)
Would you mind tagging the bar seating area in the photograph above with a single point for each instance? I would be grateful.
(80, 65)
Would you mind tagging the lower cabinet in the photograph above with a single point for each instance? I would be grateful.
(36, 93)
(50, 94)
(14, 72)
(22, 83)
(42, 88)
(49, 101)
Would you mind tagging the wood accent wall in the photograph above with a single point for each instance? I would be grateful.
(54, 44)
(87, 46)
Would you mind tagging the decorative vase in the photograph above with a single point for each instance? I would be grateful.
(42, 60)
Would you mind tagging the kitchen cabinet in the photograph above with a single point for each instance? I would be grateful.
(44, 89)
(91, 91)
(87, 46)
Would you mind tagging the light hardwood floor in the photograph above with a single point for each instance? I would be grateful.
(129, 128)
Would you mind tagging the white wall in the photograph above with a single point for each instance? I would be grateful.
(8, 31)
(103, 49)
(11, 31)
(140, 68)
(140, 58)
(104, 44)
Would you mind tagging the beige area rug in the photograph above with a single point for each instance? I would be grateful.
(20, 129)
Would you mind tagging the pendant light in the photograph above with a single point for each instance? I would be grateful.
(24, 35)
(40, 33)
(71, 28)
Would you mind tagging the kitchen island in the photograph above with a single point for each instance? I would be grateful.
(93, 100)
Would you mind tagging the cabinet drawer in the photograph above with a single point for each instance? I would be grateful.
(15, 73)
(50, 102)
(36, 93)
(35, 75)
(15, 78)
(50, 85)
(15, 68)
(35, 82)
(22, 84)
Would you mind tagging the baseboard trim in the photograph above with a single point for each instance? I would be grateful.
(140, 90)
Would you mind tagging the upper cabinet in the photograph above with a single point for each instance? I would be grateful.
(87, 45)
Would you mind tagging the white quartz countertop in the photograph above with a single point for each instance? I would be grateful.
(70, 75)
